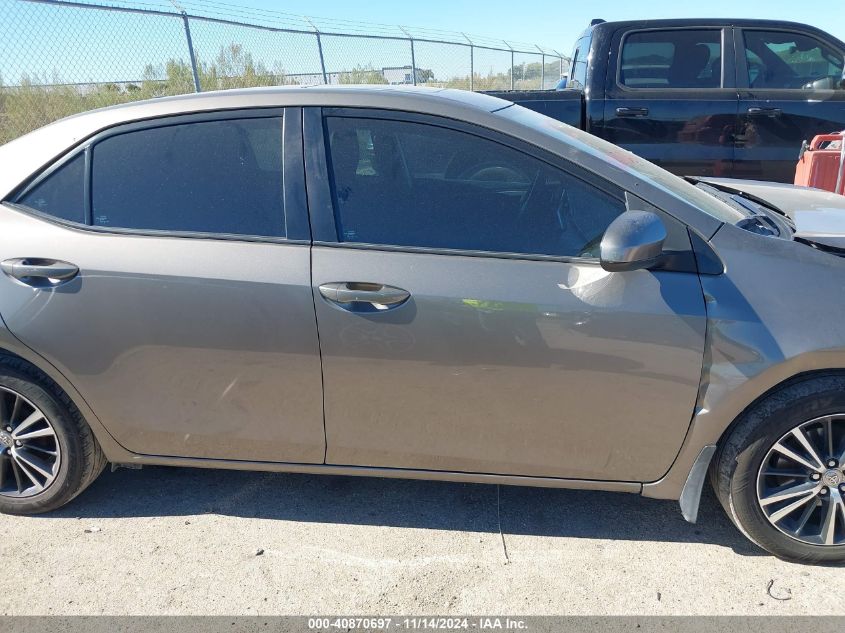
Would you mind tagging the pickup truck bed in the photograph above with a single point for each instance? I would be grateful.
(563, 105)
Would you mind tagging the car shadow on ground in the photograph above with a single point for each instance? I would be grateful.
(161, 491)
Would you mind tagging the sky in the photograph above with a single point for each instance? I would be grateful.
(552, 23)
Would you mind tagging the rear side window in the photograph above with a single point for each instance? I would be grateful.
(411, 184)
(62, 193)
(672, 59)
(791, 61)
(580, 60)
(211, 177)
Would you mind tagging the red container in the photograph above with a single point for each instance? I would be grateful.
(821, 166)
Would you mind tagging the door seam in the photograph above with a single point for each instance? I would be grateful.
(319, 352)
(311, 284)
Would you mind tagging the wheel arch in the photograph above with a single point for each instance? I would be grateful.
(713, 427)
(805, 376)
(11, 348)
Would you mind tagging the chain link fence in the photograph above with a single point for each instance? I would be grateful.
(60, 57)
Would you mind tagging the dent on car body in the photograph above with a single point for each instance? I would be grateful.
(761, 332)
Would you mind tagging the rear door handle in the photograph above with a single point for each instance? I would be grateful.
(756, 111)
(39, 272)
(631, 112)
(347, 293)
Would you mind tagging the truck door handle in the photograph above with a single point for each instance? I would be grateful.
(348, 293)
(631, 112)
(39, 272)
(772, 112)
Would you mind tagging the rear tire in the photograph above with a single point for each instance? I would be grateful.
(78, 458)
(746, 489)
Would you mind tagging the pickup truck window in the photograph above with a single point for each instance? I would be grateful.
(680, 58)
(580, 61)
(399, 183)
(791, 61)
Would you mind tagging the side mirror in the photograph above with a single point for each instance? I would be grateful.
(634, 240)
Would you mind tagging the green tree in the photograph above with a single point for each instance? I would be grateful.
(362, 75)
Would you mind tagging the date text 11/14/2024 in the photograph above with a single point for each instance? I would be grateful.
(417, 624)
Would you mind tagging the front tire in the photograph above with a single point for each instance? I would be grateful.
(779, 473)
(48, 454)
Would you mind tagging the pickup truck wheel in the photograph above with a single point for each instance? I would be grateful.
(780, 473)
(48, 454)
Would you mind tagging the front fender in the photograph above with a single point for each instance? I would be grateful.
(774, 315)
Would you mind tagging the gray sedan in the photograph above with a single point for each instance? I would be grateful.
(416, 283)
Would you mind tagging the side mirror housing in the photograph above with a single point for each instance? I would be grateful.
(633, 241)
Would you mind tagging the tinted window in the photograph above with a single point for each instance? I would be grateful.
(213, 177)
(581, 141)
(62, 193)
(580, 58)
(410, 184)
(791, 61)
(672, 59)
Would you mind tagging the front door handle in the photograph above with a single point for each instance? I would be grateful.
(348, 293)
(772, 112)
(39, 272)
(631, 112)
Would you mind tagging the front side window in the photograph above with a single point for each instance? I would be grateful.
(791, 61)
(683, 58)
(62, 193)
(410, 184)
(220, 177)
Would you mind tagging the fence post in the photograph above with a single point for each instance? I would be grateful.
(511, 49)
(560, 59)
(413, 55)
(319, 50)
(542, 67)
(543, 72)
(193, 58)
(471, 62)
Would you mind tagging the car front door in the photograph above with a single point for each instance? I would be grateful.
(465, 323)
(189, 328)
(672, 99)
(791, 89)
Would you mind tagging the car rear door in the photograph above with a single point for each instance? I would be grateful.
(189, 328)
(671, 98)
(465, 323)
(791, 89)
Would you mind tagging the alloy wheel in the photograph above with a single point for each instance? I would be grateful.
(801, 482)
(30, 454)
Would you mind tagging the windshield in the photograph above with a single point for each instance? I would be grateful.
(627, 161)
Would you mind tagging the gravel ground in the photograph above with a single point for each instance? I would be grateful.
(180, 541)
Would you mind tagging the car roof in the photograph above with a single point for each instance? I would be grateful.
(402, 97)
(687, 22)
(26, 155)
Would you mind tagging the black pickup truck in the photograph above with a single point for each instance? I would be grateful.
(703, 97)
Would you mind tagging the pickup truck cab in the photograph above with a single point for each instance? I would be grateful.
(704, 97)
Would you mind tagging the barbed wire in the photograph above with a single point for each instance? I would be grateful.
(60, 57)
(258, 16)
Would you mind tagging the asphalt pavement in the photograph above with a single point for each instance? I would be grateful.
(184, 541)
